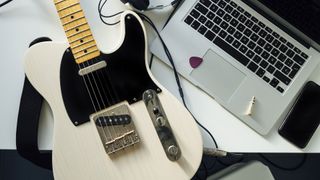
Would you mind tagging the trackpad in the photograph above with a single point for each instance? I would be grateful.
(218, 76)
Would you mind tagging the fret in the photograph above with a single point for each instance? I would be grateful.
(76, 27)
(83, 39)
(71, 21)
(89, 55)
(84, 43)
(83, 48)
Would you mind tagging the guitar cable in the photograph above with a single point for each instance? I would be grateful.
(5, 2)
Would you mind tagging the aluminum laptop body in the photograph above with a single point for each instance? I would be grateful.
(244, 86)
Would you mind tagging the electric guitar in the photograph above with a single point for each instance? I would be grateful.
(112, 119)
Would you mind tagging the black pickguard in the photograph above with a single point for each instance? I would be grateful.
(124, 79)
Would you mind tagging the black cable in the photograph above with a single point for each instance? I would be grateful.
(148, 20)
(4, 3)
(151, 61)
(299, 165)
(101, 15)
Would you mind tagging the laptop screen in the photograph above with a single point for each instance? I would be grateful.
(303, 14)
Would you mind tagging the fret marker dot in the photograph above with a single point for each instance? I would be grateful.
(85, 51)
(81, 41)
(72, 17)
(77, 29)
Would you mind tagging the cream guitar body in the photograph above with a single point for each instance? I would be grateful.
(96, 146)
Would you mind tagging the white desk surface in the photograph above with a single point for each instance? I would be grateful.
(25, 20)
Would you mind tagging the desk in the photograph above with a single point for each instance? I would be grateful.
(25, 20)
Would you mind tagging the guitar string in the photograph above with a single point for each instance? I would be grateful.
(91, 98)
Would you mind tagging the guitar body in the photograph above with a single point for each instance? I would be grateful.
(78, 149)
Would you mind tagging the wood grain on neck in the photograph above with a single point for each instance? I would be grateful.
(82, 43)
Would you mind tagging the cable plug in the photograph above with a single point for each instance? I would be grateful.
(214, 152)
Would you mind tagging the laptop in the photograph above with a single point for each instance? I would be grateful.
(251, 56)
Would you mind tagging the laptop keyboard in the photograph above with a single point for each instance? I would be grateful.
(253, 44)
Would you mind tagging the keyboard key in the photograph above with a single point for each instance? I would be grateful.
(262, 33)
(282, 57)
(297, 50)
(264, 64)
(268, 47)
(210, 35)
(278, 65)
(275, 52)
(223, 34)
(276, 35)
(261, 42)
(288, 62)
(242, 18)
(240, 9)
(244, 40)
(253, 66)
(228, 8)
(272, 60)
(260, 72)
(231, 30)
(236, 44)
(230, 50)
(265, 55)
(285, 70)
(271, 69)
(290, 45)
(234, 22)
(250, 54)
(298, 59)
(227, 17)
(261, 24)
(283, 40)
(220, 12)
(201, 8)
(195, 25)
(296, 67)
(209, 24)
(293, 73)
(235, 13)
(217, 20)
(254, 37)
(247, 32)
(247, 14)
(249, 23)
(254, 19)
(269, 38)
(222, 4)
(304, 55)
(224, 25)
(202, 29)
(202, 19)
(280, 89)
(233, 4)
(251, 45)
(243, 49)
(269, 30)
(290, 53)
(188, 20)
(276, 43)
(229, 39)
(283, 48)
(214, 8)
(216, 29)
(282, 77)
(256, 28)
(258, 50)
(210, 15)
(266, 79)
(257, 59)
(241, 27)
(194, 13)
(206, 3)
(274, 82)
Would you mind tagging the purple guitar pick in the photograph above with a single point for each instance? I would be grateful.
(195, 61)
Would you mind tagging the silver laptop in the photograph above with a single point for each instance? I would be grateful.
(253, 65)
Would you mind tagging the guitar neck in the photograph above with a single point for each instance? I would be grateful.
(76, 27)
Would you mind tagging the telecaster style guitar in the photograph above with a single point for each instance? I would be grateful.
(112, 120)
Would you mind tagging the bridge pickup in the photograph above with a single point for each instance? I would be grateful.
(116, 128)
(113, 120)
(92, 68)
